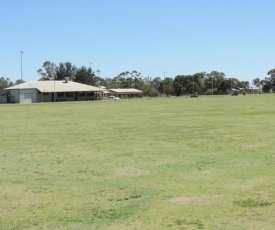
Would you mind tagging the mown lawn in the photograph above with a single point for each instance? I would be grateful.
(151, 163)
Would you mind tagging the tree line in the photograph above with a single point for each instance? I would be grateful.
(267, 84)
(202, 83)
(6, 82)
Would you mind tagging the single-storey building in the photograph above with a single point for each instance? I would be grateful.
(105, 93)
(126, 93)
(50, 91)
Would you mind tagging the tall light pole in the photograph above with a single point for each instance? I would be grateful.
(164, 72)
(21, 66)
(193, 85)
(98, 71)
(212, 87)
(91, 65)
(54, 89)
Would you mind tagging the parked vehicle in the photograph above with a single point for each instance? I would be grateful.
(114, 98)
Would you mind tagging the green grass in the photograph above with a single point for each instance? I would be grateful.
(151, 163)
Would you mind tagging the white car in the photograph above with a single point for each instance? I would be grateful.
(114, 98)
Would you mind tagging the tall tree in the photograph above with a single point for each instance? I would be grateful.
(198, 78)
(225, 85)
(66, 69)
(271, 79)
(5, 83)
(182, 84)
(257, 82)
(85, 76)
(168, 88)
(266, 85)
(157, 85)
(271, 72)
(151, 86)
(128, 80)
(243, 84)
(48, 71)
(213, 81)
(126, 83)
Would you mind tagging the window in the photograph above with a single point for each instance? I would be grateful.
(82, 94)
(60, 94)
(90, 94)
(69, 94)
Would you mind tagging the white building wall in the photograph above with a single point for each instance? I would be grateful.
(44, 97)
(3, 99)
(19, 95)
(14, 96)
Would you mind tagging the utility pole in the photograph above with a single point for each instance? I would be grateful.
(98, 71)
(21, 66)
(193, 85)
(212, 87)
(164, 72)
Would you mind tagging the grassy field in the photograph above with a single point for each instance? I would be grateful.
(151, 163)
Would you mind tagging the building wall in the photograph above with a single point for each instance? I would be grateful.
(126, 95)
(23, 92)
(44, 97)
(14, 96)
(18, 95)
(3, 98)
(33, 96)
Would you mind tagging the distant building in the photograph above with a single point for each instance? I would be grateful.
(105, 93)
(126, 93)
(49, 91)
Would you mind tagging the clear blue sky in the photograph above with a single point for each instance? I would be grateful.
(236, 37)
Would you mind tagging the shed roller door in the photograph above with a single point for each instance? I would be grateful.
(28, 97)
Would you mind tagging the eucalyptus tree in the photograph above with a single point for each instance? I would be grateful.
(128, 79)
(66, 69)
(157, 85)
(257, 82)
(19, 81)
(243, 85)
(188, 83)
(126, 83)
(138, 82)
(85, 76)
(266, 85)
(271, 73)
(168, 88)
(48, 71)
(213, 81)
(5, 83)
(271, 79)
(180, 83)
(151, 86)
(227, 84)
(198, 79)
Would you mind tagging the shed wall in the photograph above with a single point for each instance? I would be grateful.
(19, 95)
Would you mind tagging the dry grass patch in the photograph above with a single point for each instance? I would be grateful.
(195, 199)
(129, 171)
